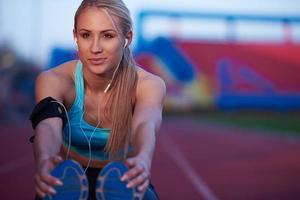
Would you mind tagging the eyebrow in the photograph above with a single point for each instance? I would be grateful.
(107, 30)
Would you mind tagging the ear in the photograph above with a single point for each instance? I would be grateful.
(128, 37)
(74, 36)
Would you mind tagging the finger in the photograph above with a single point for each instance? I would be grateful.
(139, 180)
(43, 187)
(133, 172)
(50, 180)
(56, 159)
(39, 192)
(144, 186)
(38, 186)
(47, 189)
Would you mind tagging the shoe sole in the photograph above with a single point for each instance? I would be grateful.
(110, 187)
(75, 182)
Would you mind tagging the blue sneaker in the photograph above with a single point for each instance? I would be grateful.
(75, 182)
(110, 187)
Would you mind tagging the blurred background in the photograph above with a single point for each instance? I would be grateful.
(232, 112)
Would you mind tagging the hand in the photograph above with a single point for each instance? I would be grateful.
(139, 172)
(43, 180)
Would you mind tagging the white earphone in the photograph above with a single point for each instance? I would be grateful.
(126, 41)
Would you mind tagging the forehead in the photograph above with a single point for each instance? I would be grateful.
(96, 19)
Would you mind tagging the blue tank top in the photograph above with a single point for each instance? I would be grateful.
(81, 131)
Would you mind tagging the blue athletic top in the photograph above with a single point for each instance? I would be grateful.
(81, 131)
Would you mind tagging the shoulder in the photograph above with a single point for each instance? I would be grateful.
(59, 74)
(56, 81)
(150, 84)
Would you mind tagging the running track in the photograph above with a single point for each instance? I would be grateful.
(193, 160)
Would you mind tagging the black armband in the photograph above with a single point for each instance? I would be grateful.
(47, 108)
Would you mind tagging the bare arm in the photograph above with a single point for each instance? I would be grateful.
(148, 116)
(146, 122)
(48, 135)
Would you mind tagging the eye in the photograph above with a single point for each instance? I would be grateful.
(85, 35)
(108, 35)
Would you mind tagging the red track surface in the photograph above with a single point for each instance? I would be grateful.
(225, 163)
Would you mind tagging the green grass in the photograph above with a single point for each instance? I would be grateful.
(286, 123)
(280, 122)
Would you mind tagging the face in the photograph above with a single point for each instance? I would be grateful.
(100, 47)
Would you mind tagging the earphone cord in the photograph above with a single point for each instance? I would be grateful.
(70, 132)
(113, 76)
(69, 128)
(86, 137)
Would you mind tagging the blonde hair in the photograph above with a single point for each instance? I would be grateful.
(121, 97)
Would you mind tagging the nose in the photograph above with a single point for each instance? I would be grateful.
(96, 46)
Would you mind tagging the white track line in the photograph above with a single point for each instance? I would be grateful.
(187, 169)
(15, 164)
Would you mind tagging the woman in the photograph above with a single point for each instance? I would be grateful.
(114, 107)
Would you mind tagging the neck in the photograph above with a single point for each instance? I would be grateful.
(96, 84)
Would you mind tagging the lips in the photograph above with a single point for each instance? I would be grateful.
(97, 61)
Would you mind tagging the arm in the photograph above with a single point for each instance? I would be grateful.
(47, 135)
(146, 122)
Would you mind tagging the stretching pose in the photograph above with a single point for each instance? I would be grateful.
(100, 108)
